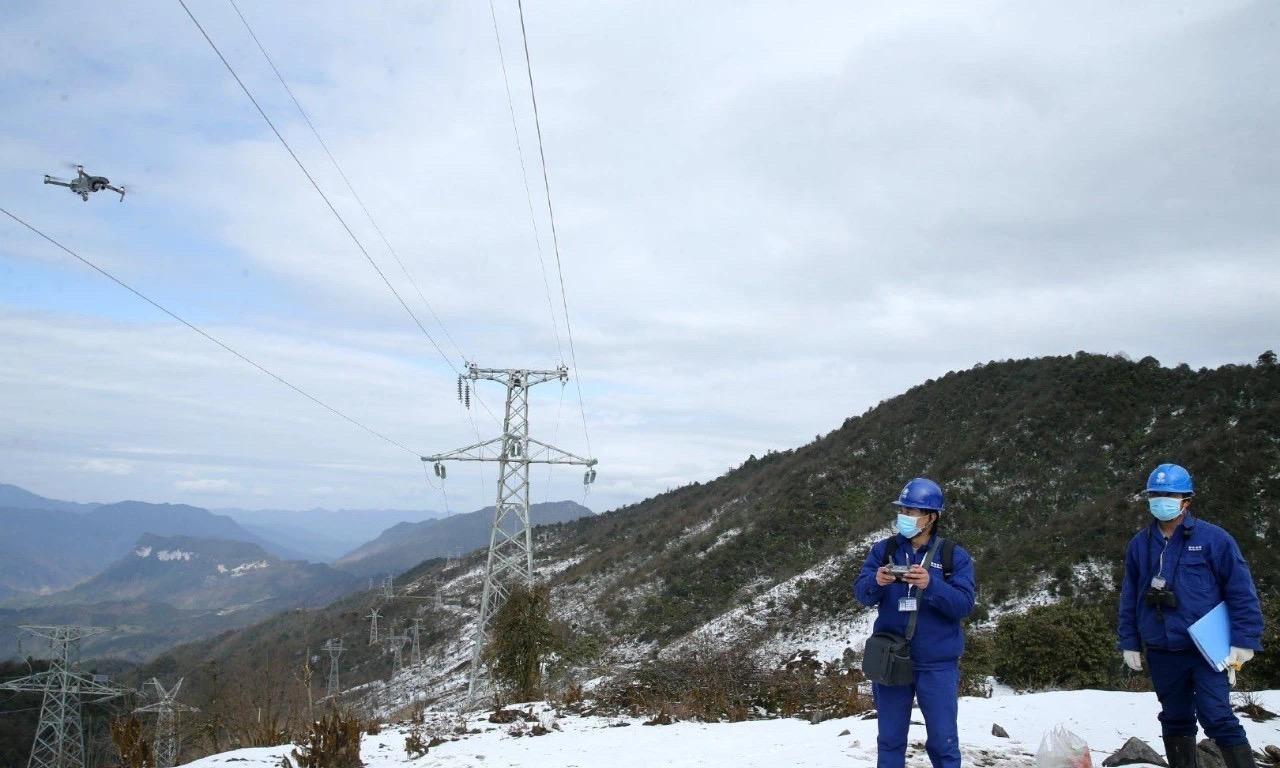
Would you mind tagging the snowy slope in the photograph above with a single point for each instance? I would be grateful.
(1104, 718)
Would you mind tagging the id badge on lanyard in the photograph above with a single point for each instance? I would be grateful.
(907, 604)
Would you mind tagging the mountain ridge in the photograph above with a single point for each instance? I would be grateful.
(1041, 460)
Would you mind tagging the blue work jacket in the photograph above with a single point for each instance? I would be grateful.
(943, 605)
(1203, 566)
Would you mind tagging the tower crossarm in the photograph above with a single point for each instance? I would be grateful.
(86, 687)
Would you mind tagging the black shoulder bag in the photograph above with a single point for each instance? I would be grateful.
(886, 658)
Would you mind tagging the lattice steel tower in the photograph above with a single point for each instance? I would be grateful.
(59, 741)
(166, 710)
(335, 648)
(415, 658)
(510, 538)
(373, 626)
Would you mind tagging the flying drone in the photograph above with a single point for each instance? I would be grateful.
(83, 184)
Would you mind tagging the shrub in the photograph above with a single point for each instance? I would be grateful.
(1064, 645)
(521, 635)
(1263, 672)
(332, 742)
(414, 745)
(133, 748)
(977, 664)
(711, 683)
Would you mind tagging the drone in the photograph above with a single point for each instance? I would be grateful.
(83, 184)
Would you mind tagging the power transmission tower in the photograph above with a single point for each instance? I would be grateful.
(388, 588)
(166, 711)
(373, 626)
(59, 740)
(415, 656)
(396, 643)
(510, 538)
(335, 649)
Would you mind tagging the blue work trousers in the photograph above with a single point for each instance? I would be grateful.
(1188, 688)
(936, 690)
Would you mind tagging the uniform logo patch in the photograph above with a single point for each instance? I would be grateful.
(935, 565)
(1195, 547)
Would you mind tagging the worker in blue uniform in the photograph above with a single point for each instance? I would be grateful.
(1175, 571)
(942, 595)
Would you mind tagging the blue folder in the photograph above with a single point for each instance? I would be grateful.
(1212, 635)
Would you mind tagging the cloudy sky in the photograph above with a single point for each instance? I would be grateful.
(772, 216)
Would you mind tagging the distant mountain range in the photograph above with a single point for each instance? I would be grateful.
(48, 545)
(172, 589)
(405, 545)
(209, 574)
(323, 535)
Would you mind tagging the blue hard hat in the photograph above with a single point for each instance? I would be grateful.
(920, 493)
(1170, 478)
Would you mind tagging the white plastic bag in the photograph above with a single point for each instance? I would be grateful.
(1061, 748)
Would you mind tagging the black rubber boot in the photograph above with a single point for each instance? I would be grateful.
(1180, 751)
(1239, 756)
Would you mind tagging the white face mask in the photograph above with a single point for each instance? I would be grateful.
(907, 525)
(1164, 508)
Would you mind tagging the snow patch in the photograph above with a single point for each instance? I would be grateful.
(1105, 719)
(244, 568)
(142, 551)
(174, 554)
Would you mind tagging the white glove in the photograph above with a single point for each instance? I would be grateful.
(1239, 656)
(1235, 660)
(1134, 660)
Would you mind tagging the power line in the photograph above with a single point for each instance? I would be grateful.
(524, 178)
(551, 215)
(319, 191)
(346, 180)
(208, 335)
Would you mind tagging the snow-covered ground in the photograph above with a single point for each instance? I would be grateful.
(1104, 718)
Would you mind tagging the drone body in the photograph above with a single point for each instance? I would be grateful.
(83, 184)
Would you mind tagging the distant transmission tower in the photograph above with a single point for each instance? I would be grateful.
(166, 710)
(510, 538)
(335, 649)
(59, 740)
(396, 643)
(373, 626)
(389, 588)
(415, 656)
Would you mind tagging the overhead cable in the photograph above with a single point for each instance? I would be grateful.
(323, 196)
(350, 188)
(209, 336)
(551, 215)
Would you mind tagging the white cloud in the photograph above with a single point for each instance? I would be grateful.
(108, 466)
(207, 485)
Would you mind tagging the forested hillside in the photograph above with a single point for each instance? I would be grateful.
(1041, 459)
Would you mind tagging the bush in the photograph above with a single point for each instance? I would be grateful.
(133, 748)
(978, 663)
(1065, 645)
(1263, 672)
(521, 636)
(414, 745)
(710, 683)
(332, 742)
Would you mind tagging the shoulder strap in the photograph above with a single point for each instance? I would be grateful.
(890, 549)
(915, 615)
(948, 558)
